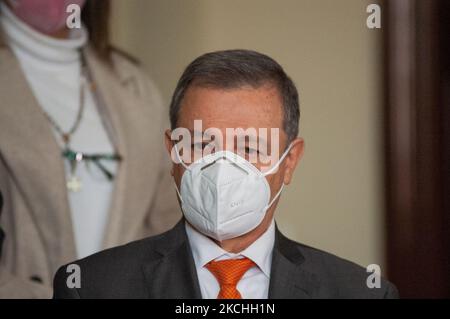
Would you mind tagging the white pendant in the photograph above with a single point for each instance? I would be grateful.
(74, 184)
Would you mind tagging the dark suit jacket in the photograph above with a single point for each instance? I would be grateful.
(163, 267)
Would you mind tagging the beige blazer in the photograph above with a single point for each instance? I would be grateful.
(36, 217)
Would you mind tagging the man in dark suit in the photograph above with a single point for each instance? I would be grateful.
(227, 245)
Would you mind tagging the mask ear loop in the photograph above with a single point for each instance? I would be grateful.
(270, 171)
(178, 192)
(185, 166)
(179, 158)
(275, 197)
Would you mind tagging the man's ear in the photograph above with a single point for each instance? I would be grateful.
(169, 144)
(168, 141)
(292, 158)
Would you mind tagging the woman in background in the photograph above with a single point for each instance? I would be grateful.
(81, 153)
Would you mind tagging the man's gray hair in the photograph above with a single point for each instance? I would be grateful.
(232, 69)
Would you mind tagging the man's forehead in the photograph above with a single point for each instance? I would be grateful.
(243, 107)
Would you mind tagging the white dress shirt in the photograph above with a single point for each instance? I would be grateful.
(255, 282)
(52, 68)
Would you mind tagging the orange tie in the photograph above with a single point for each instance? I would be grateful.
(228, 273)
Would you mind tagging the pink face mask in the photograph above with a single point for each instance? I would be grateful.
(46, 16)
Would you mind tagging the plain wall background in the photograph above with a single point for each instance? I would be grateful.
(335, 202)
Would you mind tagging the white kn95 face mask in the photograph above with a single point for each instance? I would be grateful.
(223, 195)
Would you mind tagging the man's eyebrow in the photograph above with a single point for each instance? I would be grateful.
(251, 138)
(255, 138)
(200, 133)
(195, 132)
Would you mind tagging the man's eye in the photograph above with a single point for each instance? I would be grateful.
(198, 146)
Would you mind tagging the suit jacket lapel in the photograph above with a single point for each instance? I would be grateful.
(130, 125)
(172, 274)
(288, 279)
(34, 159)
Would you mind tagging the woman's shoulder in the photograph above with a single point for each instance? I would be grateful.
(130, 69)
(124, 64)
(121, 56)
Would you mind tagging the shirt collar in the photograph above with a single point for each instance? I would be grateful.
(204, 249)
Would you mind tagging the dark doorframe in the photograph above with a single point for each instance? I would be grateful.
(417, 142)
